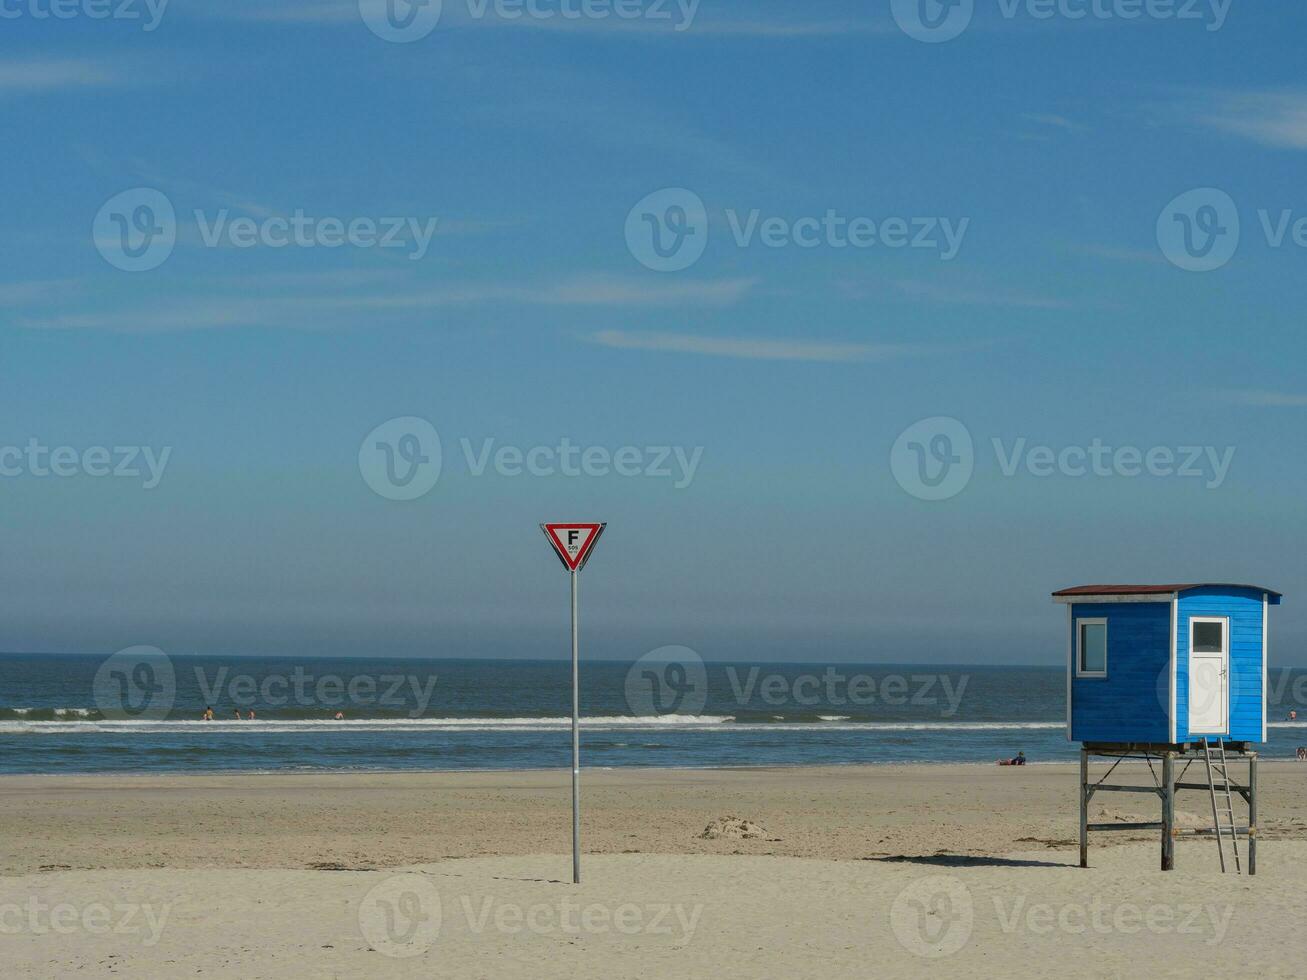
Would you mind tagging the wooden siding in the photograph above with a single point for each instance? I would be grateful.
(1130, 704)
(1244, 610)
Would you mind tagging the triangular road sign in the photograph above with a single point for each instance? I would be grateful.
(573, 542)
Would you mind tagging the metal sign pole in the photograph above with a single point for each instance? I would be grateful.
(572, 543)
(576, 742)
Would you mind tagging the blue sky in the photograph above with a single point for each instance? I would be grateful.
(1055, 145)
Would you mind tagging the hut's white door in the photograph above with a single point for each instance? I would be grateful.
(1209, 676)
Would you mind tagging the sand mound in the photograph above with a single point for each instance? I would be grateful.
(733, 828)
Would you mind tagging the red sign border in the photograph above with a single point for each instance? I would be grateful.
(584, 555)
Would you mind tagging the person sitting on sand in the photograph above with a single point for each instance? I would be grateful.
(1020, 760)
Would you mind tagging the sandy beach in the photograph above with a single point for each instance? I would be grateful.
(891, 870)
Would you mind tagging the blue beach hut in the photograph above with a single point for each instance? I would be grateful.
(1167, 664)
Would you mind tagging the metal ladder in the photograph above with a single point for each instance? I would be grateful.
(1217, 767)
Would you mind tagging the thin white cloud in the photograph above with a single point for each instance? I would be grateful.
(182, 187)
(333, 279)
(793, 29)
(579, 291)
(962, 295)
(611, 291)
(470, 226)
(1277, 119)
(323, 309)
(209, 197)
(32, 291)
(748, 348)
(25, 75)
(215, 312)
(572, 103)
(1052, 120)
(1138, 256)
(196, 317)
(679, 27)
(1262, 398)
(672, 20)
(313, 12)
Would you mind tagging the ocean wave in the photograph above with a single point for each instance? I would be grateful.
(47, 714)
(718, 723)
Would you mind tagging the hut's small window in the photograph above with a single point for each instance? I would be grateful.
(1093, 648)
(1209, 636)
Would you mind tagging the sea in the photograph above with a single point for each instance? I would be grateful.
(143, 711)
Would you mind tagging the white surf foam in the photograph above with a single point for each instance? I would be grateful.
(716, 723)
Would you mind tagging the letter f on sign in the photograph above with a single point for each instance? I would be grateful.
(573, 543)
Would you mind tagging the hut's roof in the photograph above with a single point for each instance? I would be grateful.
(1127, 590)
